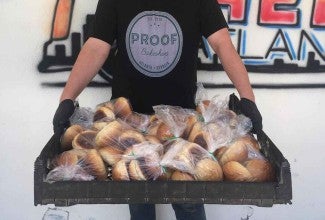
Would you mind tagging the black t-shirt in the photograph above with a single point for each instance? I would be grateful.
(157, 43)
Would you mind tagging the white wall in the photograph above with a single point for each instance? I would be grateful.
(293, 118)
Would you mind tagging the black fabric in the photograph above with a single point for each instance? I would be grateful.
(249, 109)
(61, 117)
(139, 81)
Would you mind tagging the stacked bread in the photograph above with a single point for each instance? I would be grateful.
(172, 144)
(242, 161)
(189, 161)
(139, 162)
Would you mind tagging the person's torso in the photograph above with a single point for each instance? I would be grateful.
(157, 52)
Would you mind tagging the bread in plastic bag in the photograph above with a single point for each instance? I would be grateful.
(69, 135)
(82, 116)
(115, 138)
(242, 161)
(120, 106)
(103, 112)
(138, 121)
(175, 121)
(210, 136)
(77, 165)
(191, 158)
(101, 123)
(85, 140)
(219, 126)
(139, 162)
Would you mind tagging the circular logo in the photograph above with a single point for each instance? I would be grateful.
(154, 43)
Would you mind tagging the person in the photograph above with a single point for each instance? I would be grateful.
(157, 47)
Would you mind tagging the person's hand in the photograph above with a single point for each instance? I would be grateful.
(249, 109)
(62, 115)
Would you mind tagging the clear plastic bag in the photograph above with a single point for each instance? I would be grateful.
(68, 172)
(115, 138)
(175, 121)
(144, 161)
(219, 126)
(210, 136)
(242, 161)
(138, 121)
(77, 165)
(82, 116)
(85, 140)
(191, 158)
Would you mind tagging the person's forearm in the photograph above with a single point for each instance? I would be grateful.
(90, 59)
(232, 63)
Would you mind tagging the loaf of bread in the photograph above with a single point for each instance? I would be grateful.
(130, 137)
(138, 121)
(103, 112)
(85, 140)
(235, 171)
(94, 164)
(109, 135)
(208, 170)
(111, 154)
(261, 170)
(69, 135)
(122, 107)
(237, 151)
(120, 171)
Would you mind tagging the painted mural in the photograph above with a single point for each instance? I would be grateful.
(271, 36)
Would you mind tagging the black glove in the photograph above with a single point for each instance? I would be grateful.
(62, 115)
(249, 109)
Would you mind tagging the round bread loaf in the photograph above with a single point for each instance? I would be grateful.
(108, 136)
(120, 171)
(138, 121)
(111, 154)
(181, 176)
(208, 170)
(122, 107)
(137, 169)
(237, 151)
(235, 171)
(261, 170)
(190, 154)
(94, 165)
(66, 158)
(69, 135)
(129, 138)
(85, 140)
(103, 112)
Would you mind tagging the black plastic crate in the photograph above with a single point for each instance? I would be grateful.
(67, 193)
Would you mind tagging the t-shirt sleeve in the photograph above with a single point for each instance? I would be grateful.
(211, 17)
(105, 22)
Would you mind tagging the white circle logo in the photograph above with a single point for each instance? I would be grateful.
(154, 43)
